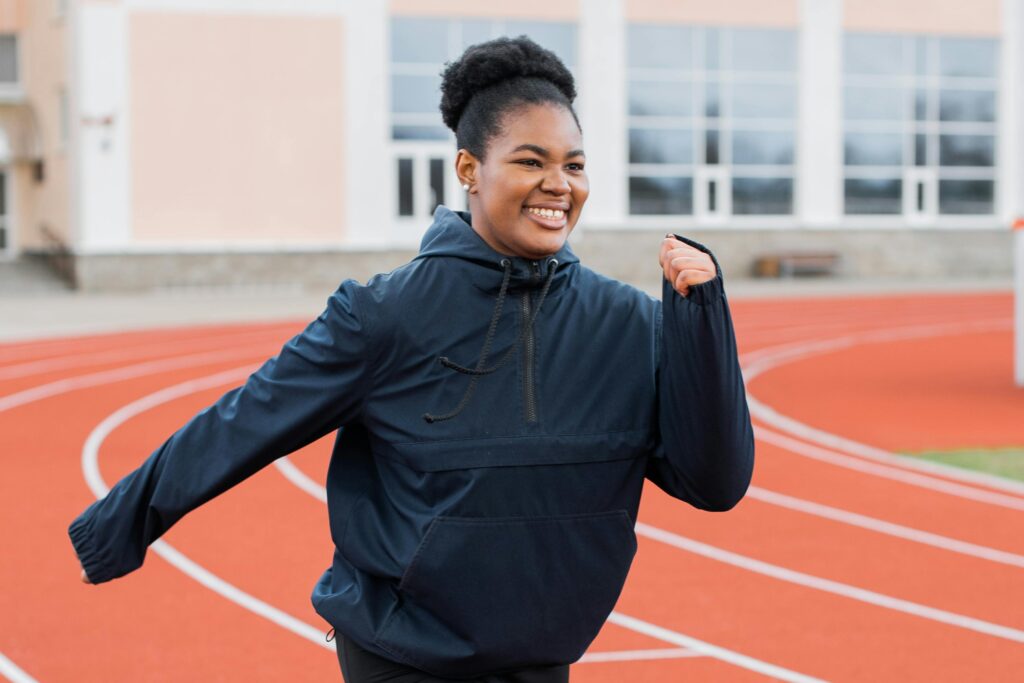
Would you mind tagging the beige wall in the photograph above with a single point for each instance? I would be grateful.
(551, 10)
(963, 17)
(782, 13)
(236, 128)
(14, 15)
(44, 73)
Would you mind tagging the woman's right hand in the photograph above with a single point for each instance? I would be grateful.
(85, 577)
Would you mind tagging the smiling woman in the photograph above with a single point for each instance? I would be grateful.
(486, 478)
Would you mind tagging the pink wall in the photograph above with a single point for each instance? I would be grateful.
(561, 10)
(236, 128)
(783, 13)
(963, 17)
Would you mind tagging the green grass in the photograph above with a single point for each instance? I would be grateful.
(1005, 462)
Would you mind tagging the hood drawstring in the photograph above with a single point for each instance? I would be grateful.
(480, 370)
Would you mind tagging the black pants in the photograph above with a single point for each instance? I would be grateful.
(360, 666)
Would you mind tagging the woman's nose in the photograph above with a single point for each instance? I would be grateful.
(556, 182)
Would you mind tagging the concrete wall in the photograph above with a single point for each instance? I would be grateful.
(629, 255)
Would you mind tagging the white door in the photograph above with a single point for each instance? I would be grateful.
(423, 177)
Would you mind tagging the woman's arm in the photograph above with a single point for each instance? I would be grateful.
(316, 383)
(706, 450)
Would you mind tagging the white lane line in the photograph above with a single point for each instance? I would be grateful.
(149, 350)
(886, 472)
(634, 655)
(726, 655)
(757, 362)
(62, 386)
(883, 527)
(829, 586)
(90, 469)
(13, 672)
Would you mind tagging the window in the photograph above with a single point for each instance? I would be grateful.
(423, 147)
(712, 119)
(8, 59)
(919, 120)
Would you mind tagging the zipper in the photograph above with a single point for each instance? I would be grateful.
(529, 388)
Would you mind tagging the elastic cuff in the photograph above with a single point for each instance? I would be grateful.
(88, 556)
(706, 292)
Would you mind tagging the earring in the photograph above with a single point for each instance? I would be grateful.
(465, 186)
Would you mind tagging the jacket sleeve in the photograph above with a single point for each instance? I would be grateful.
(316, 383)
(705, 450)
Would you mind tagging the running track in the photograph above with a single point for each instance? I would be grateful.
(844, 562)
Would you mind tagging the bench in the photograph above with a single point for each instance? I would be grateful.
(792, 263)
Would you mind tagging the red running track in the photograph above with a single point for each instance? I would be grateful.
(844, 563)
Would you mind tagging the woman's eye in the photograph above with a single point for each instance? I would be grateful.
(575, 167)
(529, 162)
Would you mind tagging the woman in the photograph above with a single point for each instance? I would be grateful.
(500, 405)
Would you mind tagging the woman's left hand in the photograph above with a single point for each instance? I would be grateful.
(684, 265)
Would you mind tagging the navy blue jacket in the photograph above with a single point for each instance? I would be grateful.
(485, 482)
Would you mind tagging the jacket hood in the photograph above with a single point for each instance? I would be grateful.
(452, 235)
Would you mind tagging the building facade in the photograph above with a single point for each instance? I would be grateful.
(175, 142)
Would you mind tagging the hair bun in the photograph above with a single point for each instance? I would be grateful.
(485, 64)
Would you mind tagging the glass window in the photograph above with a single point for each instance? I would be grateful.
(762, 50)
(873, 149)
(405, 193)
(766, 196)
(721, 97)
(762, 147)
(873, 54)
(669, 47)
(973, 57)
(475, 31)
(878, 104)
(558, 37)
(763, 101)
(415, 94)
(660, 98)
(419, 40)
(400, 132)
(967, 105)
(873, 195)
(8, 58)
(966, 150)
(660, 196)
(966, 196)
(660, 146)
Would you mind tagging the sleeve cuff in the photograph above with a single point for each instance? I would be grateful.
(706, 292)
(90, 559)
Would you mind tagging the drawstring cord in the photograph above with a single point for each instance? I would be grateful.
(480, 370)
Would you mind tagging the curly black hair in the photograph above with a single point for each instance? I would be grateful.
(492, 79)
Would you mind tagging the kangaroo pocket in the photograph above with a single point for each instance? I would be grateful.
(486, 594)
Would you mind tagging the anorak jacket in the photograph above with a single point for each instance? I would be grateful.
(498, 417)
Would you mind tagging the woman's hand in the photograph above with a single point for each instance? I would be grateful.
(85, 577)
(684, 265)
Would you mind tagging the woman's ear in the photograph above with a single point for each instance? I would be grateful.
(467, 168)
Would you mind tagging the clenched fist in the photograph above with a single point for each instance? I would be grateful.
(684, 265)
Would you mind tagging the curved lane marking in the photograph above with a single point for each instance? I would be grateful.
(63, 386)
(13, 672)
(886, 472)
(757, 362)
(99, 488)
(153, 349)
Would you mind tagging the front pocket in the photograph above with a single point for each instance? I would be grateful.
(485, 594)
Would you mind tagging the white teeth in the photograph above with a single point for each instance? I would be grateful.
(547, 213)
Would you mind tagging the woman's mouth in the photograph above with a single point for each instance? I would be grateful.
(553, 219)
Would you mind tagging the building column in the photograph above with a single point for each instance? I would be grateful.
(367, 131)
(820, 126)
(602, 109)
(1010, 160)
(100, 120)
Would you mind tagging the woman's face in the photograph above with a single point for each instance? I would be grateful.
(526, 197)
